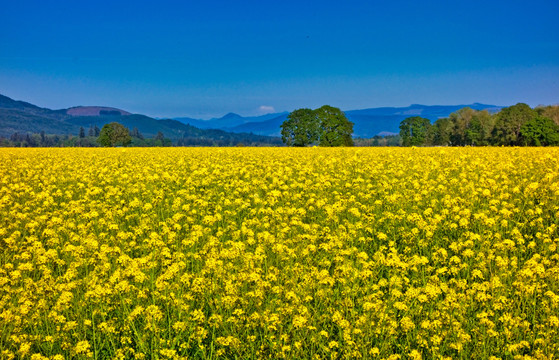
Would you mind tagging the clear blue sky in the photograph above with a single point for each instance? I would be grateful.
(207, 58)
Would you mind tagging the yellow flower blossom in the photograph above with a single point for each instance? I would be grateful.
(279, 253)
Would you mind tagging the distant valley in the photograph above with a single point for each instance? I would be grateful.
(23, 117)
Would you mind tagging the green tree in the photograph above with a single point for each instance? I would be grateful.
(414, 130)
(509, 122)
(336, 129)
(159, 136)
(540, 131)
(327, 126)
(159, 140)
(478, 131)
(473, 134)
(135, 133)
(550, 111)
(487, 123)
(441, 131)
(114, 134)
(461, 121)
(301, 128)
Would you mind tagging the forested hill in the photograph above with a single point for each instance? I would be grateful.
(25, 118)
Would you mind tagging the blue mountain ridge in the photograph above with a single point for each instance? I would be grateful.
(230, 120)
(367, 122)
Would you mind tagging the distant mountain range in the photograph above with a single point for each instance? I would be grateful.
(23, 117)
(367, 122)
(230, 121)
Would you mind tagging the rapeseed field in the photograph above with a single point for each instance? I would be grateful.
(263, 253)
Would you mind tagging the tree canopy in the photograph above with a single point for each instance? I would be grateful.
(325, 126)
(414, 130)
(301, 128)
(336, 128)
(114, 134)
(550, 111)
(515, 125)
(509, 122)
(540, 131)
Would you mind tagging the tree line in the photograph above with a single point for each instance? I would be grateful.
(517, 125)
(116, 134)
(378, 141)
(113, 134)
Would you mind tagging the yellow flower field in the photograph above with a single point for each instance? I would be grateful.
(249, 253)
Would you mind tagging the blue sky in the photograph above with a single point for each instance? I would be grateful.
(207, 58)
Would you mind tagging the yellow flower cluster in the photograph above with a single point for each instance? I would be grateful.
(255, 253)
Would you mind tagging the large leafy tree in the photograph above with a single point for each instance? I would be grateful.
(301, 128)
(414, 131)
(540, 131)
(327, 126)
(509, 123)
(114, 134)
(336, 128)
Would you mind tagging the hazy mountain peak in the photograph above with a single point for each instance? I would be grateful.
(231, 116)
